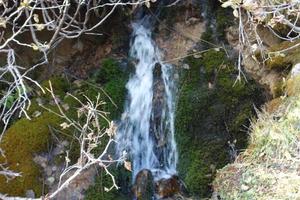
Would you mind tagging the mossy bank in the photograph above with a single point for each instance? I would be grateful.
(35, 136)
(269, 167)
(213, 113)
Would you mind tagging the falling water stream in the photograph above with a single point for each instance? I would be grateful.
(146, 131)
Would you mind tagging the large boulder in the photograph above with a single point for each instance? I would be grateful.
(165, 188)
(143, 188)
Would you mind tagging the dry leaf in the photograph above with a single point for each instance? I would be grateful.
(39, 27)
(66, 106)
(36, 18)
(2, 22)
(24, 3)
(236, 13)
(67, 159)
(227, 4)
(147, 4)
(36, 113)
(34, 47)
(127, 165)
(64, 125)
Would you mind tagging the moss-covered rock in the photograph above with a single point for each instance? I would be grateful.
(211, 111)
(24, 139)
(33, 136)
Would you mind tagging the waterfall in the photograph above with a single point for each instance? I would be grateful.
(146, 130)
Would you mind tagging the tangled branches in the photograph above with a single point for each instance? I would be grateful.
(280, 17)
(23, 23)
(60, 19)
(90, 137)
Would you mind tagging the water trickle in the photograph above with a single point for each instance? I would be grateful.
(146, 131)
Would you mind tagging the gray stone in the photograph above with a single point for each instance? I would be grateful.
(30, 194)
(185, 66)
(40, 160)
(296, 70)
(54, 168)
(48, 171)
(50, 180)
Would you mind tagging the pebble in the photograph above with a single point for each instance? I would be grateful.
(50, 180)
(185, 66)
(296, 70)
(30, 194)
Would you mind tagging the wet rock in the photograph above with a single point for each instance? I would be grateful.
(159, 103)
(157, 70)
(167, 187)
(143, 188)
(48, 171)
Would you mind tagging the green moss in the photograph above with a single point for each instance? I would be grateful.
(28, 137)
(59, 85)
(20, 142)
(113, 80)
(116, 91)
(202, 169)
(211, 110)
(31, 137)
(224, 19)
(211, 61)
(97, 191)
(108, 71)
(278, 62)
(208, 37)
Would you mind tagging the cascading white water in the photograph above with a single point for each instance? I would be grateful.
(146, 131)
